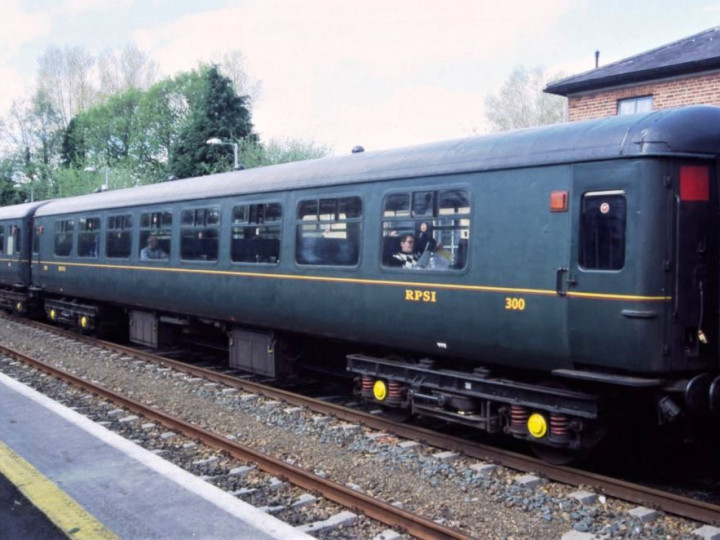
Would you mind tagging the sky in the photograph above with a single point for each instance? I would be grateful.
(340, 73)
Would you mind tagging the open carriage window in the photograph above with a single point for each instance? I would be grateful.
(426, 229)
(256, 233)
(64, 229)
(155, 236)
(199, 234)
(88, 237)
(118, 241)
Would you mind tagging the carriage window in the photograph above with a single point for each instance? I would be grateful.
(88, 237)
(64, 237)
(37, 232)
(397, 205)
(433, 233)
(155, 236)
(13, 240)
(602, 231)
(2, 239)
(328, 231)
(256, 234)
(199, 234)
(118, 241)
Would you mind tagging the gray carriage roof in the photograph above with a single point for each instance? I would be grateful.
(18, 211)
(690, 130)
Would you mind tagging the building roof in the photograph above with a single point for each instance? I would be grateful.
(692, 131)
(694, 54)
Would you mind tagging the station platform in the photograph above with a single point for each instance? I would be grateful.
(92, 483)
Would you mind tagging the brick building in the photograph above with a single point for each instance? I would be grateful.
(686, 72)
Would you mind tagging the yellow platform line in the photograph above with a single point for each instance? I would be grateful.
(58, 506)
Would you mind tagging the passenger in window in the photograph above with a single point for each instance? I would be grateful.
(406, 257)
(152, 251)
(425, 240)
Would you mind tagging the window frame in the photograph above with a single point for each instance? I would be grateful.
(408, 217)
(123, 230)
(248, 223)
(14, 236)
(203, 212)
(64, 232)
(581, 262)
(357, 221)
(86, 232)
(150, 231)
(638, 104)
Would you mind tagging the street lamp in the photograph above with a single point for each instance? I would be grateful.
(93, 169)
(21, 180)
(215, 140)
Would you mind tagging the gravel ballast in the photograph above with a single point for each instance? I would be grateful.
(463, 493)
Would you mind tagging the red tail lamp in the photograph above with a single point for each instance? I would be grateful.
(694, 183)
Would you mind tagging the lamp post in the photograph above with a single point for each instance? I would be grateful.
(105, 186)
(215, 140)
(21, 181)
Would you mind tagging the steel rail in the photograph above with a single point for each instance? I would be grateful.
(668, 502)
(346, 497)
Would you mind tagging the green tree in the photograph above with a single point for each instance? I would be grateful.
(9, 194)
(110, 128)
(521, 102)
(164, 111)
(256, 154)
(218, 113)
(73, 148)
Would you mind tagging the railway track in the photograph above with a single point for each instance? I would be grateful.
(667, 502)
(378, 510)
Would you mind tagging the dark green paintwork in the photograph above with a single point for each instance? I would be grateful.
(517, 247)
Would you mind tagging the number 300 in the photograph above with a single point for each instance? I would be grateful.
(515, 304)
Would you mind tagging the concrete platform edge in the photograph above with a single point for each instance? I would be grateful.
(210, 493)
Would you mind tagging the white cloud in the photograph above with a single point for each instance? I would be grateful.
(19, 28)
(337, 71)
(406, 116)
(389, 38)
(81, 6)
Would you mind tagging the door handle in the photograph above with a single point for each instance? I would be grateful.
(559, 289)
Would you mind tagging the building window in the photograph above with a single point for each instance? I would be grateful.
(602, 231)
(328, 231)
(199, 235)
(256, 233)
(426, 229)
(118, 241)
(88, 237)
(635, 105)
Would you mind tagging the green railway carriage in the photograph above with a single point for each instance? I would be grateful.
(584, 253)
(16, 292)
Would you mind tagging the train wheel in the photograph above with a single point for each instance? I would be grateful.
(558, 456)
(590, 439)
(395, 414)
